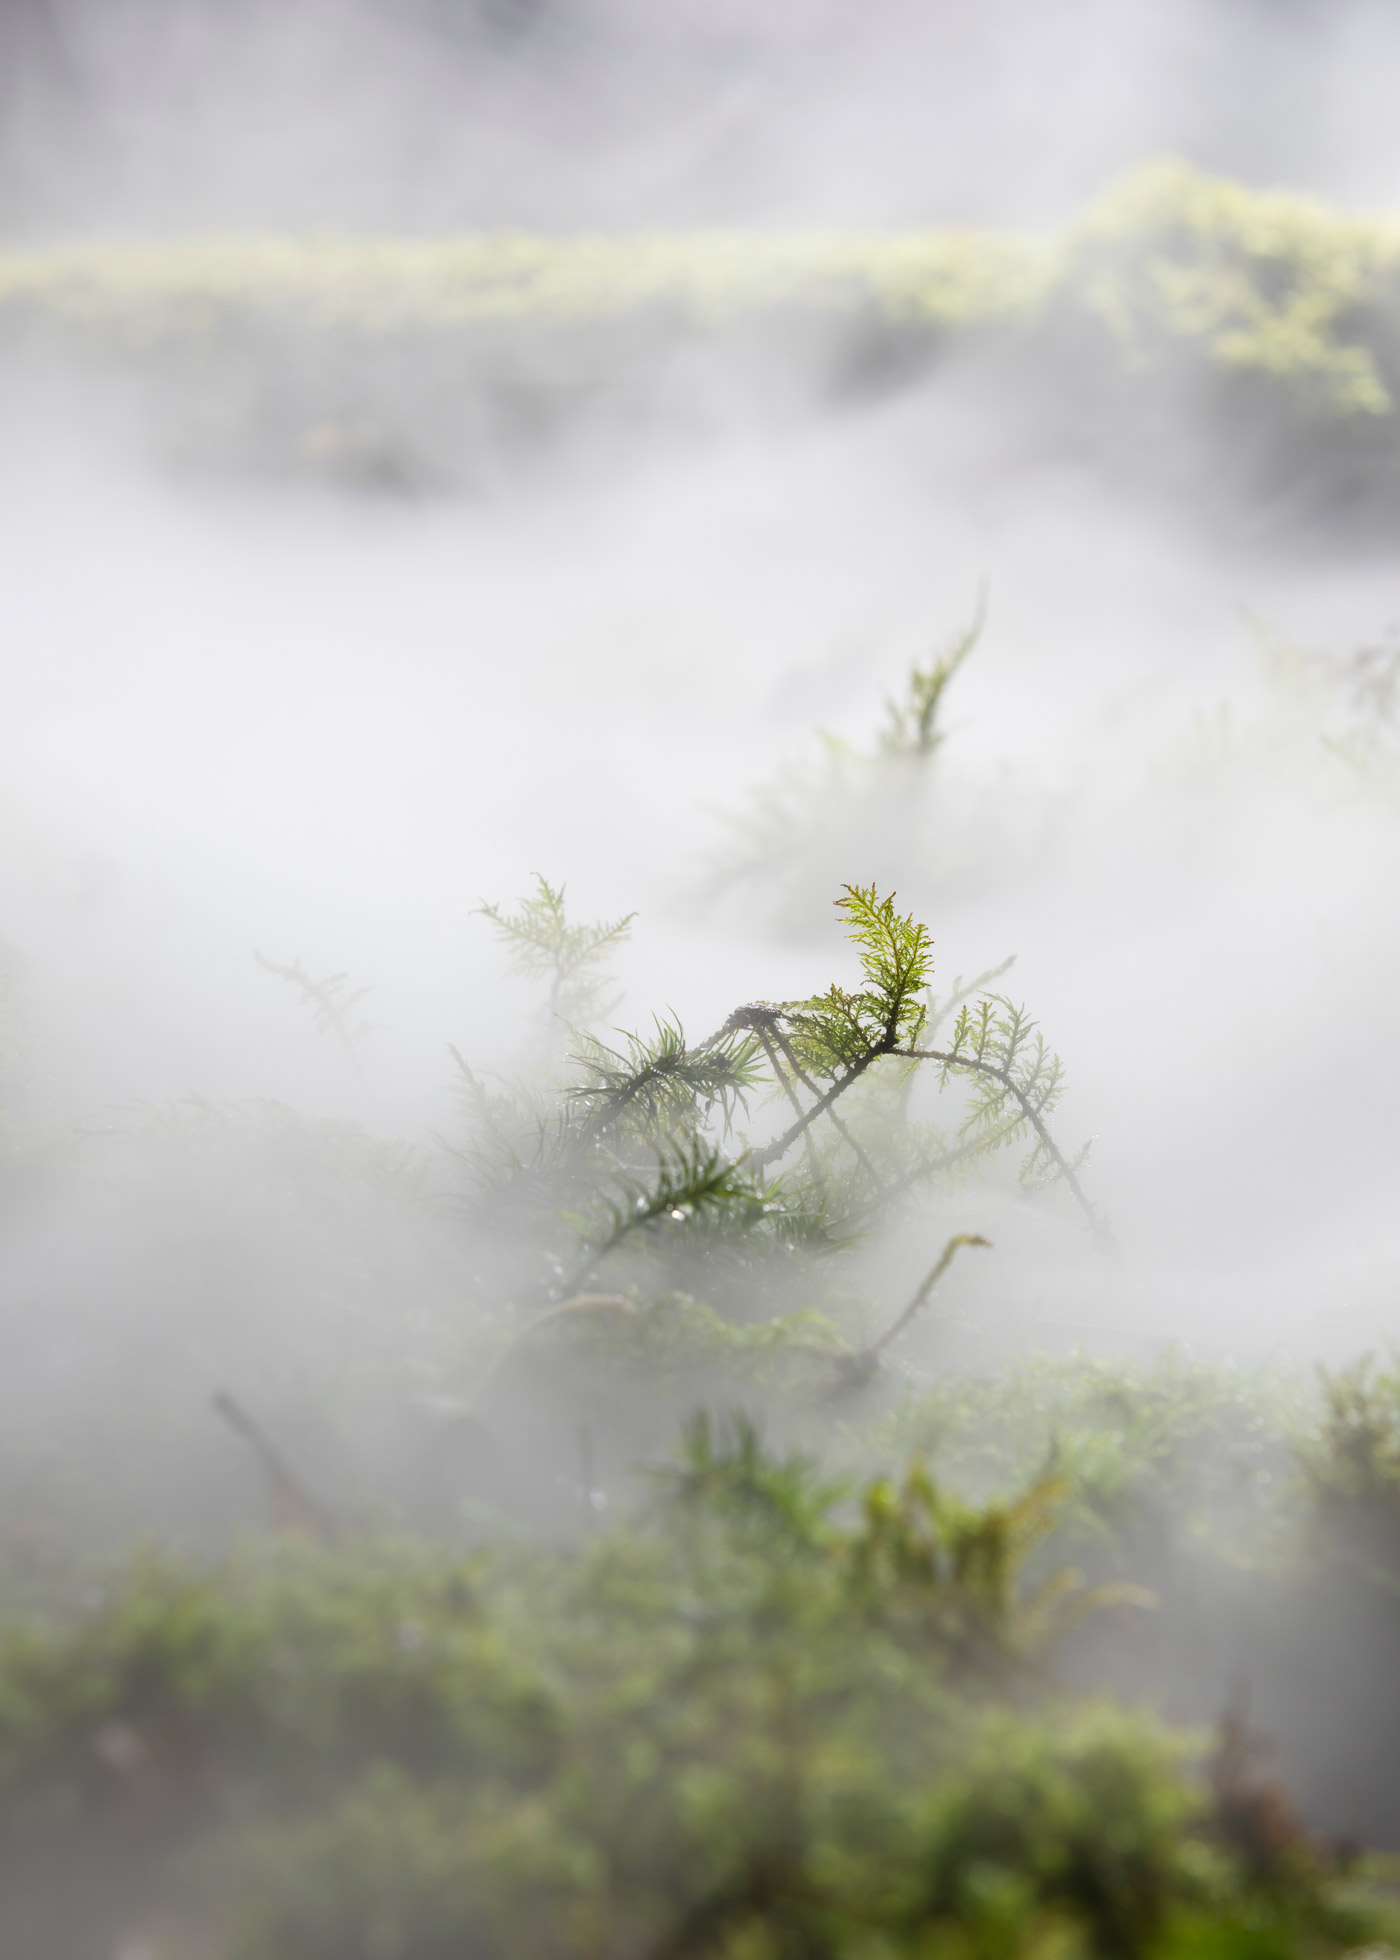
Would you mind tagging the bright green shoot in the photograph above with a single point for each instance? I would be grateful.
(646, 1153)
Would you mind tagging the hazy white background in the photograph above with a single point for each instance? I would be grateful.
(243, 714)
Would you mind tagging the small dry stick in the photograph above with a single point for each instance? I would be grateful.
(854, 1369)
(921, 1297)
(294, 1511)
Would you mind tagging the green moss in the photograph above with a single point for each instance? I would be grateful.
(1180, 1446)
(768, 1717)
(1260, 282)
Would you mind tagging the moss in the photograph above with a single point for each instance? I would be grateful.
(1261, 281)
(764, 1718)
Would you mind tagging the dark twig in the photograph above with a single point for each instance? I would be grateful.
(779, 1148)
(838, 1125)
(765, 1020)
(770, 1049)
(294, 1510)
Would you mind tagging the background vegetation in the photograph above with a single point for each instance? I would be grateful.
(867, 1663)
(612, 1526)
(1264, 317)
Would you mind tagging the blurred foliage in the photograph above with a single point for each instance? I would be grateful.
(1180, 1449)
(1267, 283)
(913, 728)
(195, 290)
(1352, 1464)
(331, 999)
(877, 799)
(1261, 282)
(793, 1705)
(1336, 708)
(768, 1717)
(540, 943)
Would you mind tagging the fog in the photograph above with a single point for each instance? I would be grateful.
(253, 705)
(144, 114)
(247, 717)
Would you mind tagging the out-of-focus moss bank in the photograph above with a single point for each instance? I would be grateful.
(1266, 289)
(1262, 280)
(769, 1718)
(382, 285)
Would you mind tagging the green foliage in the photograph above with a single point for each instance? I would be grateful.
(1352, 1465)
(953, 1567)
(1084, 1824)
(542, 945)
(840, 1031)
(364, 360)
(1266, 284)
(513, 1133)
(1014, 1083)
(1178, 1449)
(792, 1705)
(332, 1000)
(913, 723)
(1357, 1450)
(660, 1082)
(760, 1720)
(646, 1145)
(724, 1470)
(1261, 282)
(1069, 1837)
(692, 1184)
(808, 819)
(372, 287)
(1014, 1080)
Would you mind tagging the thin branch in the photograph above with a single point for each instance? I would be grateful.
(1032, 1115)
(938, 1011)
(693, 1185)
(920, 1298)
(856, 1367)
(928, 1167)
(294, 1510)
(840, 1126)
(779, 1148)
(753, 1015)
(770, 1050)
(765, 1020)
